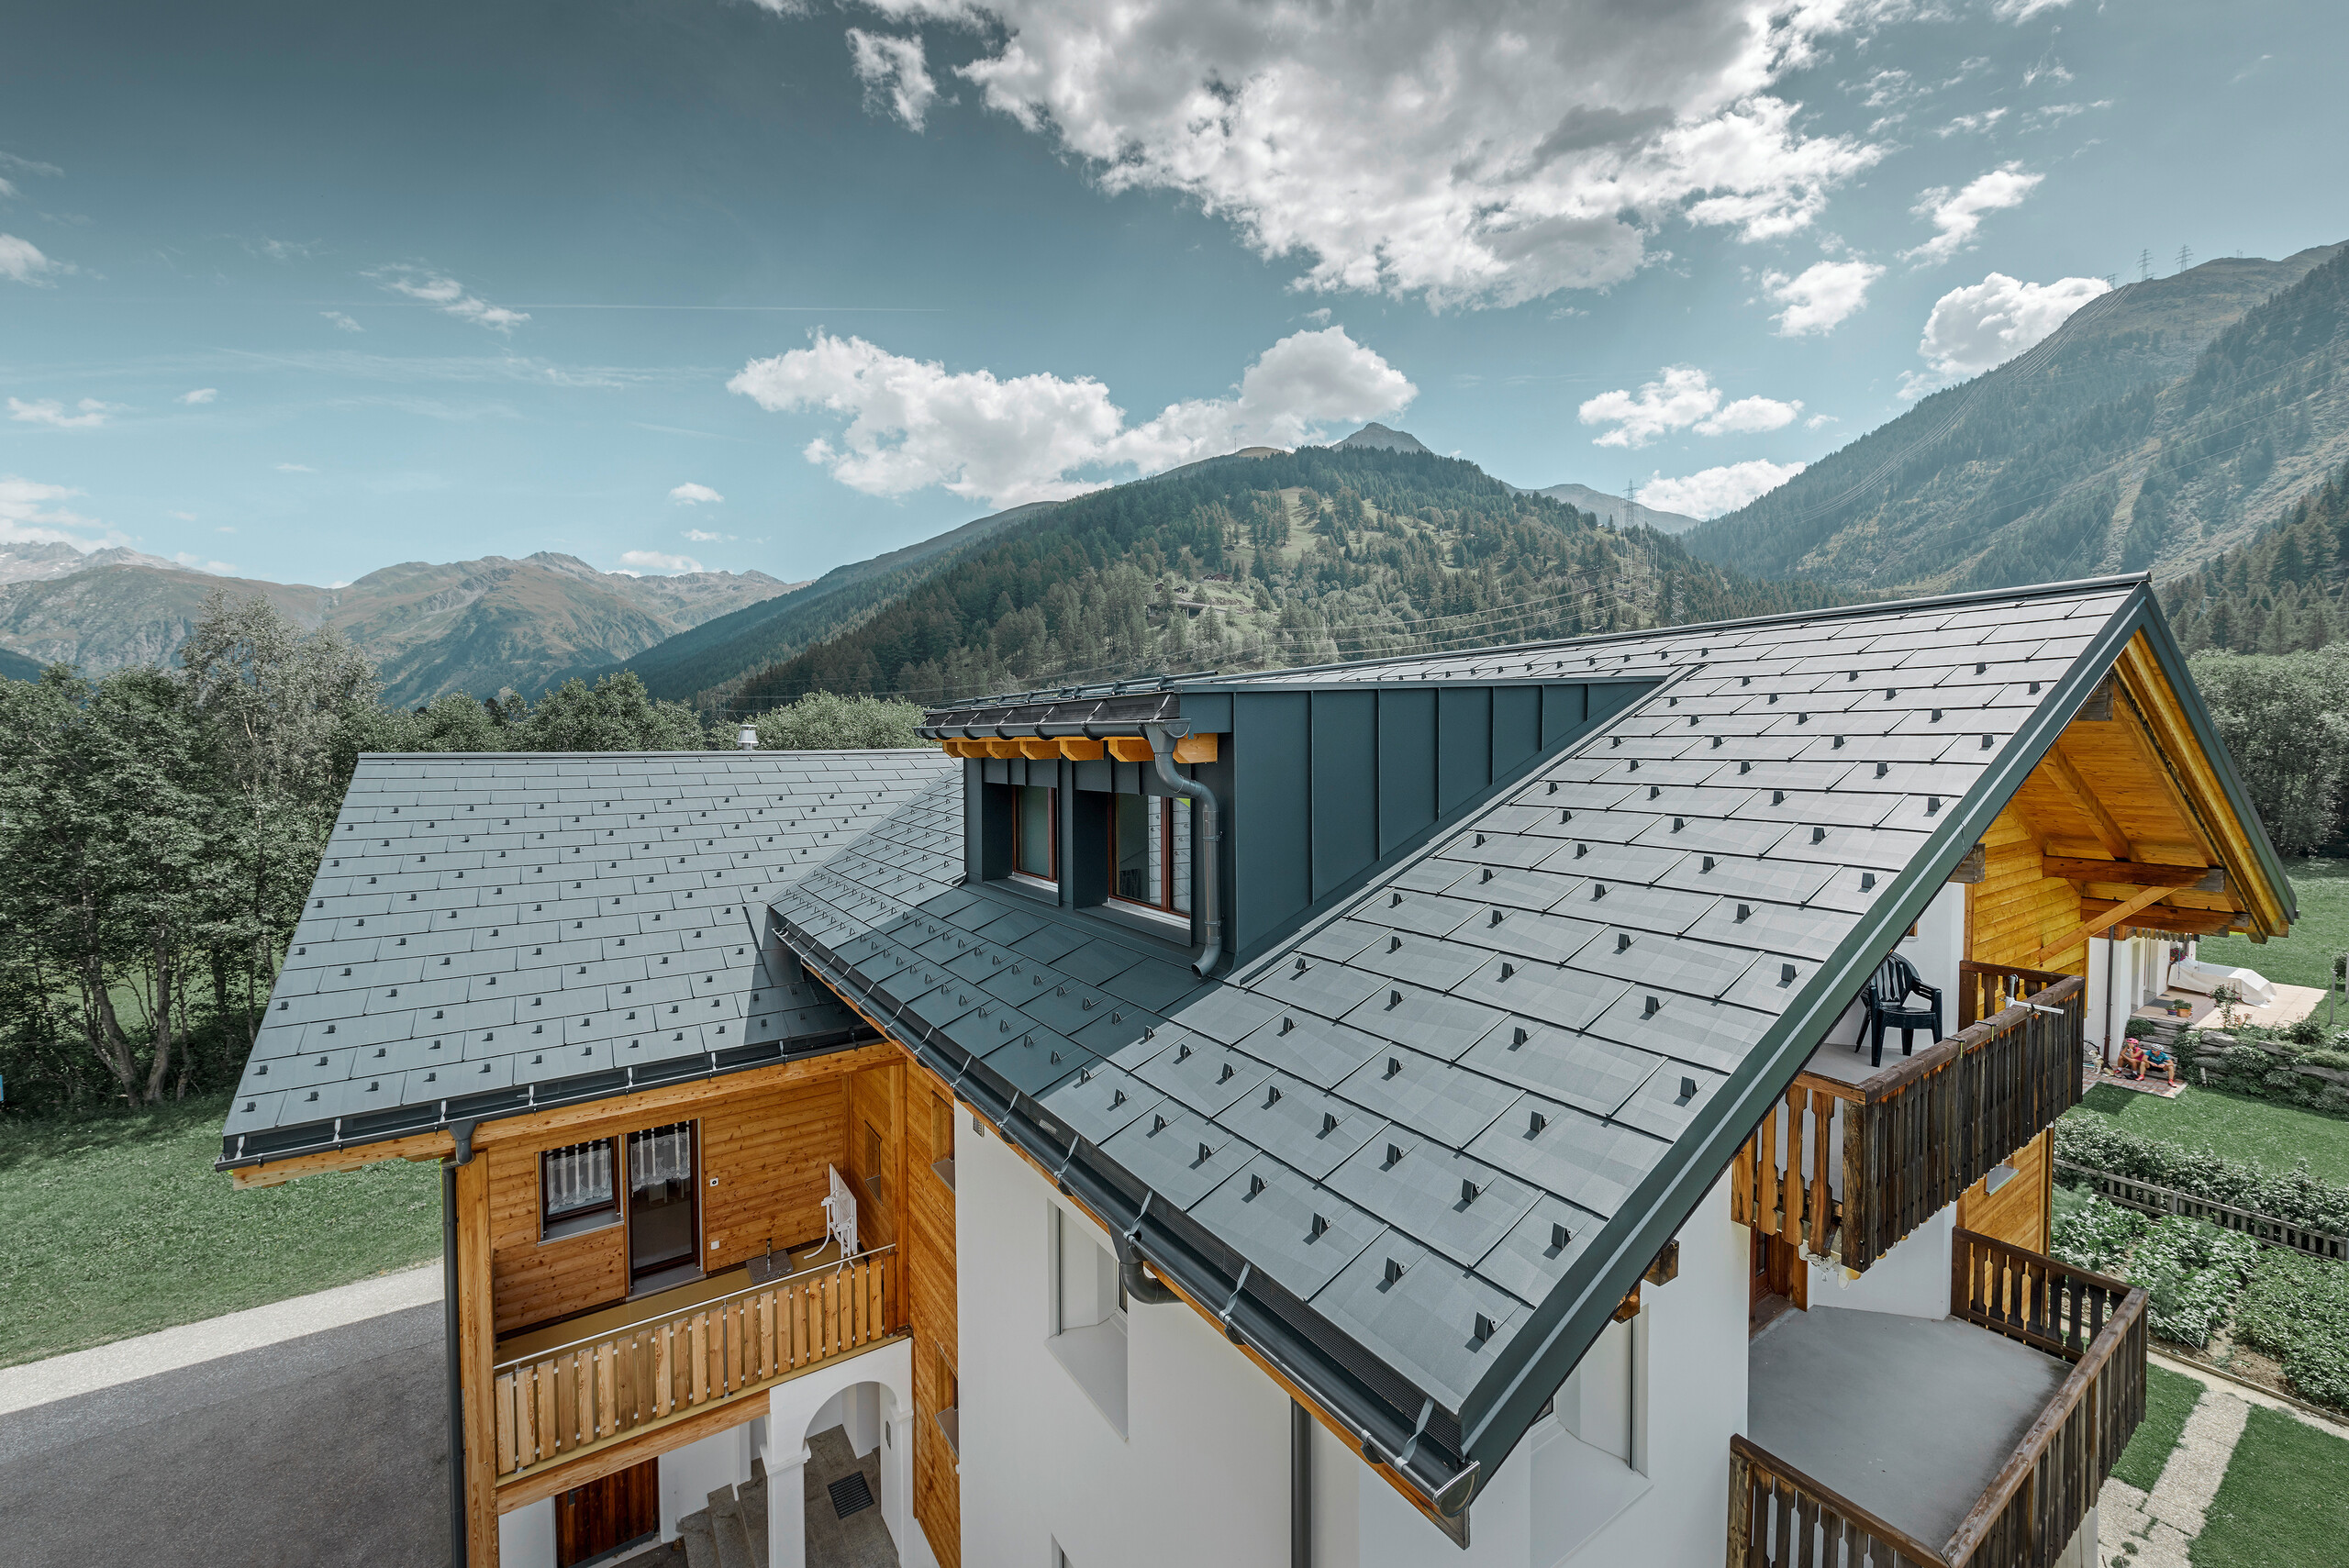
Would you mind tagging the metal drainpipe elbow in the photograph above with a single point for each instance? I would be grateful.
(1210, 839)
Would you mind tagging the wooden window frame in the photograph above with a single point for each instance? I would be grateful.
(1163, 810)
(1052, 837)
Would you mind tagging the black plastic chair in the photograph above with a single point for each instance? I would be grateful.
(1888, 990)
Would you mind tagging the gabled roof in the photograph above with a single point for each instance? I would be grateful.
(493, 932)
(1436, 1133)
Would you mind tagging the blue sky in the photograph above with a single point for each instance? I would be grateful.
(303, 291)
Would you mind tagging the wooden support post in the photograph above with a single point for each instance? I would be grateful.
(477, 1351)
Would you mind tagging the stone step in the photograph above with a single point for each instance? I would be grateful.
(730, 1532)
(693, 1535)
(754, 1512)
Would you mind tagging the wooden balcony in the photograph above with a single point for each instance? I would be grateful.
(668, 1362)
(1856, 1159)
(1868, 1457)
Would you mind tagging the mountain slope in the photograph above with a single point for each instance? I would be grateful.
(473, 626)
(1615, 509)
(2162, 423)
(2287, 590)
(1294, 558)
(699, 663)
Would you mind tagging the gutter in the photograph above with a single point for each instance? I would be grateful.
(1161, 747)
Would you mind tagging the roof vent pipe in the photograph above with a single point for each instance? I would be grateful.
(747, 738)
(1210, 834)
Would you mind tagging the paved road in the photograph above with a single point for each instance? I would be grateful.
(330, 1451)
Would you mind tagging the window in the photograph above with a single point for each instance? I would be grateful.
(876, 1167)
(1087, 1333)
(1033, 814)
(663, 1211)
(575, 1190)
(1150, 851)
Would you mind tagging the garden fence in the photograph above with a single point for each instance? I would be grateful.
(2151, 1198)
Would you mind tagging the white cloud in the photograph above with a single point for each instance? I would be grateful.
(2024, 10)
(29, 516)
(295, 468)
(1003, 440)
(21, 261)
(284, 250)
(1820, 421)
(1821, 296)
(1712, 491)
(638, 563)
(448, 295)
(692, 495)
(1684, 399)
(895, 75)
(28, 165)
(1989, 323)
(1966, 125)
(342, 323)
(1956, 216)
(1468, 153)
(198, 563)
(201, 394)
(88, 414)
(703, 536)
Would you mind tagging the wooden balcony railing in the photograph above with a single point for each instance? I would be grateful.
(1780, 1517)
(592, 1392)
(1849, 1169)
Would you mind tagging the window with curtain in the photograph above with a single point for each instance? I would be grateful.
(1150, 851)
(575, 1189)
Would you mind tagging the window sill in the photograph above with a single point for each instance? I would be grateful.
(945, 1170)
(1095, 1358)
(949, 1424)
(548, 1238)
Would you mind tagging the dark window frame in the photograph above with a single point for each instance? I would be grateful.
(1163, 807)
(586, 1217)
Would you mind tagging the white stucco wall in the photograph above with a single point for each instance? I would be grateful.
(1202, 1471)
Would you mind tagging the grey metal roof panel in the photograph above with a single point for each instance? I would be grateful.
(1442, 1198)
(1179, 1153)
(1539, 1250)
(1544, 939)
(1317, 1050)
(1205, 1074)
(1427, 1095)
(1423, 1321)
(1549, 992)
(1439, 1025)
(1585, 1070)
(1712, 1034)
(1302, 1233)
(1101, 1101)
(1591, 1163)
(1035, 1058)
(1301, 1125)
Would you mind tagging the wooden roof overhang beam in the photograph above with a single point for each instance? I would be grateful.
(1085, 748)
(2154, 719)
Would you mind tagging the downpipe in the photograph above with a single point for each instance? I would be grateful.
(457, 1545)
(1162, 749)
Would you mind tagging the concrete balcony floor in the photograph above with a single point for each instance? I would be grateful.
(1909, 1417)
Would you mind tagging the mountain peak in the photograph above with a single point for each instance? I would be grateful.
(1377, 435)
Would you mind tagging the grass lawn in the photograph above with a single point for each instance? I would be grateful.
(2261, 1131)
(2170, 1399)
(2304, 958)
(2282, 1504)
(119, 1225)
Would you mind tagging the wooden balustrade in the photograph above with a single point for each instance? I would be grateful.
(596, 1390)
(1779, 1518)
(1987, 988)
(1903, 1143)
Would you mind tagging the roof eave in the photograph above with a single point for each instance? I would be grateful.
(1503, 1405)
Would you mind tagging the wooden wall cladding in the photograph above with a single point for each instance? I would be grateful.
(768, 1148)
(874, 1153)
(2018, 1212)
(931, 1128)
(2015, 906)
(535, 1282)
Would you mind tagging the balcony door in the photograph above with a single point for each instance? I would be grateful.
(598, 1520)
(664, 1208)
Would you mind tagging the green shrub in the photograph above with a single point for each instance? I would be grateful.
(2297, 1309)
(2338, 1060)
(2295, 1196)
(2097, 1234)
(825, 721)
(2191, 1271)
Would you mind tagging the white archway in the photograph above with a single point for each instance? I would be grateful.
(792, 1405)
